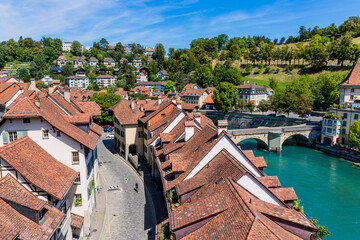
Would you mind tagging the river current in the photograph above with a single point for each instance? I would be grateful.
(328, 186)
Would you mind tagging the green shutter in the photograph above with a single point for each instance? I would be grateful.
(21, 133)
(5, 137)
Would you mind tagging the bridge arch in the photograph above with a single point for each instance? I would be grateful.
(260, 143)
(301, 139)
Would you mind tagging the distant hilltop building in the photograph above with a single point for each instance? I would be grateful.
(66, 46)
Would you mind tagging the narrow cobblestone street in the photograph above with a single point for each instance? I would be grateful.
(127, 213)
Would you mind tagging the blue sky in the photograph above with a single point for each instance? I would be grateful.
(173, 23)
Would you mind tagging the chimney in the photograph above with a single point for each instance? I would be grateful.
(197, 117)
(189, 130)
(37, 101)
(32, 84)
(67, 93)
(222, 126)
(174, 101)
(141, 107)
(179, 104)
(132, 105)
(244, 82)
(160, 100)
(248, 81)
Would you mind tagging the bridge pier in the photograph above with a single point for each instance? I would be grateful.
(275, 141)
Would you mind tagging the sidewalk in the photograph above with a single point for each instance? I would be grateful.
(98, 222)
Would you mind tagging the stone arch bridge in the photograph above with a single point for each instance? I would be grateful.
(272, 139)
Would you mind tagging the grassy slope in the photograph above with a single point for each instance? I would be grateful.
(284, 77)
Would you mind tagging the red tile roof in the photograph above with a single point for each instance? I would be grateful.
(76, 221)
(126, 115)
(7, 91)
(23, 108)
(38, 166)
(353, 79)
(209, 99)
(89, 107)
(12, 190)
(17, 223)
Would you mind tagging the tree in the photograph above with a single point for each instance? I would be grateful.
(263, 106)
(325, 89)
(67, 69)
(352, 25)
(234, 52)
(105, 101)
(169, 87)
(233, 75)
(159, 55)
(103, 44)
(317, 53)
(250, 106)
(119, 48)
(203, 77)
(355, 134)
(225, 96)
(298, 95)
(76, 48)
(37, 66)
(3, 56)
(24, 75)
(273, 84)
(241, 104)
(222, 39)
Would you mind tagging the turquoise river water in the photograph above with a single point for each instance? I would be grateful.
(328, 186)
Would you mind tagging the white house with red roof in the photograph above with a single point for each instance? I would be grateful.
(61, 61)
(68, 134)
(350, 87)
(250, 92)
(149, 51)
(78, 62)
(109, 62)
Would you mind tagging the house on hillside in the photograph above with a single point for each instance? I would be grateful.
(109, 62)
(162, 74)
(61, 61)
(78, 62)
(149, 51)
(128, 49)
(93, 61)
(105, 80)
(137, 62)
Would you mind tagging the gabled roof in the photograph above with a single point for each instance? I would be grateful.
(22, 109)
(353, 78)
(12, 190)
(38, 166)
(17, 224)
(8, 91)
(104, 76)
(209, 99)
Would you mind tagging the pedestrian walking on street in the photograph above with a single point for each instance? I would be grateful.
(136, 187)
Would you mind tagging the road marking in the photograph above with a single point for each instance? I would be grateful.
(109, 228)
(103, 176)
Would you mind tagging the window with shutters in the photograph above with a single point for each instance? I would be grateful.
(12, 136)
(75, 158)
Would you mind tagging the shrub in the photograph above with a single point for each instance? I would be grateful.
(322, 232)
(267, 70)
(257, 72)
(277, 70)
(260, 66)
(248, 68)
(289, 68)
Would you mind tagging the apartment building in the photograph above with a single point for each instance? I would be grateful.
(105, 80)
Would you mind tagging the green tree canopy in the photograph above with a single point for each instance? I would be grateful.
(225, 96)
(105, 101)
(169, 87)
(76, 48)
(355, 134)
(203, 77)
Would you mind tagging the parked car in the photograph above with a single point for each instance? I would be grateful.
(107, 129)
(110, 135)
(272, 115)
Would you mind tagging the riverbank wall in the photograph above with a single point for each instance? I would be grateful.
(339, 153)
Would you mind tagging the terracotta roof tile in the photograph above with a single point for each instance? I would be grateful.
(353, 79)
(76, 221)
(11, 190)
(285, 194)
(38, 166)
(209, 99)
(270, 181)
